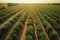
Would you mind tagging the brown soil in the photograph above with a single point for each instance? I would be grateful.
(42, 26)
(35, 30)
(23, 31)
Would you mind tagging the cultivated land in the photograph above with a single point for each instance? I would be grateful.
(30, 22)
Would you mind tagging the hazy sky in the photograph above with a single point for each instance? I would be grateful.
(30, 1)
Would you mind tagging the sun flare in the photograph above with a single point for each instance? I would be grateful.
(29, 1)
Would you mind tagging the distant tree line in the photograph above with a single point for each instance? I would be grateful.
(12, 4)
(55, 3)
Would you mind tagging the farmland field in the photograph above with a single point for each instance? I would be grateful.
(30, 22)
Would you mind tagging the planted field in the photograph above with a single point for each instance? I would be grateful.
(30, 22)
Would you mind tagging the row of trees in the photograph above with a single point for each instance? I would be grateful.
(5, 5)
